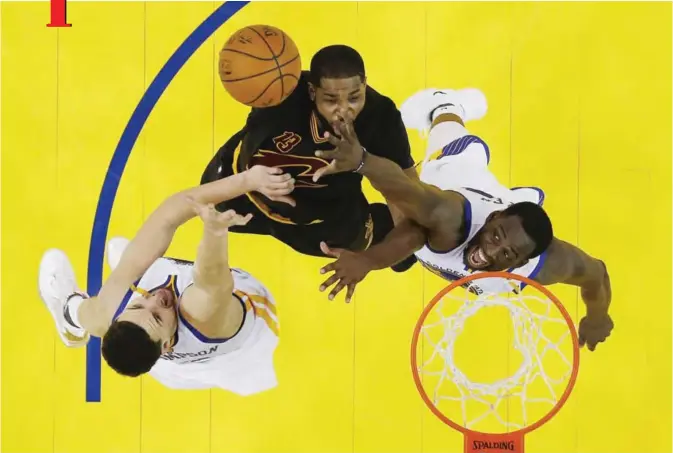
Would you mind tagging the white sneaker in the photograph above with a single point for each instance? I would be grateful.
(56, 283)
(417, 109)
(115, 249)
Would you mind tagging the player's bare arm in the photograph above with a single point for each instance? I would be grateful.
(436, 210)
(396, 213)
(350, 268)
(568, 264)
(209, 304)
(156, 234)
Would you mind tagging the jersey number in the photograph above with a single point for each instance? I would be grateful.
(284, 143)
(487, 196)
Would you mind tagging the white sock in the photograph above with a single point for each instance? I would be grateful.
(72, 307)
(457, 110)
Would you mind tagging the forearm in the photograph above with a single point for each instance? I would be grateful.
(211, 268)
(156, 234)
(597, 294)
(411, 197)
(402, 241)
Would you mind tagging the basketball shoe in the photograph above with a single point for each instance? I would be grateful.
(57, 284)
(470, 104)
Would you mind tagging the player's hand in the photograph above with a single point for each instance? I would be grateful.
(594, 329)
(272, 183)
(349, 270)
(215, 222)
(347, 153)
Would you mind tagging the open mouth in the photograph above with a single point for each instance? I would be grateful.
(166, 298)
(477, 259)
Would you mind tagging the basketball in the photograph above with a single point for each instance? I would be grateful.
(259, 66)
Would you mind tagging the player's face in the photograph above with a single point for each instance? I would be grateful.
(500, 244)
(334, 98)
(156, 313)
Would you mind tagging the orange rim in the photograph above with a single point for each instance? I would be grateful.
(506, 275)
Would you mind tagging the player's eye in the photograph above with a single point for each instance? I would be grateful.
(496, 237)
(157, 318)
(506, 255)
(354, 99)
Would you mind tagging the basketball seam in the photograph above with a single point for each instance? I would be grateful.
(259, 73)
(248, 54)
(280, 73)
(271, 83)
(263, 91)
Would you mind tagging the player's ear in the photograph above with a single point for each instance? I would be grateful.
(364, 80)
(311, 91)
(166, 347)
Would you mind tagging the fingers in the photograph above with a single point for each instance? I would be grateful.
(329, 282)
(324, 171)
(337, 289)
(335, 141)
(349, 292)
(334, 154)
(274, 171)
(348, 132)
(328, 251)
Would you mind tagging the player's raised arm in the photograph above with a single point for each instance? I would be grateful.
(156, 234)
(423, 203)
(210, 305)
(568, 264)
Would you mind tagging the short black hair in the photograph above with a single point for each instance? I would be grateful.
(336, 62)
(129, 350)
(536, 224)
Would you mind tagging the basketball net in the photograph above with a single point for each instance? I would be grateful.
(495, 416)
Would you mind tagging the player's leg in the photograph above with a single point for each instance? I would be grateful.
(453, 154)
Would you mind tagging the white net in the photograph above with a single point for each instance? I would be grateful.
(531, 353)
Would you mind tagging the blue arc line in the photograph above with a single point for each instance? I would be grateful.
(115, 171)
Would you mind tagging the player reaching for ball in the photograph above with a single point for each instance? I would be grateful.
(286, 136)
(190, 325)
(461, 220)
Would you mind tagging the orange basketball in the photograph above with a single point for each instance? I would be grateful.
(260, 66)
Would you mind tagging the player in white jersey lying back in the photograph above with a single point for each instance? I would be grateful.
(190, 325)
(460, 219)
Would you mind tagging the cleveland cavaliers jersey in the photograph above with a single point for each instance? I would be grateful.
(189, 344)
(484, 195)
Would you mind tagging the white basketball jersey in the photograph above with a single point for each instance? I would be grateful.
(190, 345)
(484, 195)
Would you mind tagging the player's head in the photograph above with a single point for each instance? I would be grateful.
(338, 82)
(141, 333)
(510, 238)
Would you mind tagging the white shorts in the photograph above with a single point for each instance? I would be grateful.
(454, 159)
(245, 371)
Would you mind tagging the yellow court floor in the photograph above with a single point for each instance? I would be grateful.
(579, 105)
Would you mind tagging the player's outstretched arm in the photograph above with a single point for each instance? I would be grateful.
(352, 267)
(156, 234)
(568, 264)
(209, 304)
(425, 204)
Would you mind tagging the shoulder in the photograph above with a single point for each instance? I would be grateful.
(378, 107)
